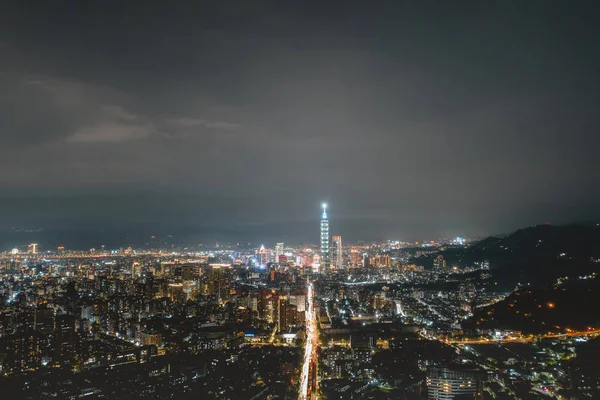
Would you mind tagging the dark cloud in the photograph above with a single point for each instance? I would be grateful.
(411, 119)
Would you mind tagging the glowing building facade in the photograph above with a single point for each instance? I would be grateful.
(278, 251)
(447, 384)
(324, 240)
(337, 252)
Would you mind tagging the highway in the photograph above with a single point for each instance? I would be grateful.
(309, 363)
(528, 339)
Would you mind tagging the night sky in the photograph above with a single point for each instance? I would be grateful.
(236, 119)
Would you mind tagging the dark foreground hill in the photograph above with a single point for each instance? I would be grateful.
(561, 308)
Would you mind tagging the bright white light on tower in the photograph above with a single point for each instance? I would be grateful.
(324, 205)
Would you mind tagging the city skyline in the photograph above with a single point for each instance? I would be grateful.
(309, 200)
(150, 238)
(329, 246)
(184, 322)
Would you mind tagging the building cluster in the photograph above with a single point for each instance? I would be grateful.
(347, 321)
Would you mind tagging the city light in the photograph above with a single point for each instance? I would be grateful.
(310, 345)
(249, 300)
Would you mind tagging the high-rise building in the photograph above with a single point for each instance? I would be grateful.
(33, 248)
(65, 337)
(187, 272)
(382, 260)
(136, 270)
(278, 251)
(288, 315)
(366, 261)
(355, 257)
(452, 383)
(324, 240)
(262, 256)
(439, 262)
(298, 300)
(379, 301)
(337, 252)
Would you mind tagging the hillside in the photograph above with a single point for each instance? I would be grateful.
(535, 255)
(557, 309)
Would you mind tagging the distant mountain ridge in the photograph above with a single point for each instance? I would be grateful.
(574, 240)
(538, 254)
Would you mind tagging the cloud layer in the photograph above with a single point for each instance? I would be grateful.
(411, 121)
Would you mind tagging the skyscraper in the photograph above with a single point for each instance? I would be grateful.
(262, 256)
(324, 240)
(337, 252)
(355, 257)
(278, 251)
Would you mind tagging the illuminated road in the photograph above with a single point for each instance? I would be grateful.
(310, 350)
(525, 339)
(433, 310)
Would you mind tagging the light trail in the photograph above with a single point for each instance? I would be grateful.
(310, 346)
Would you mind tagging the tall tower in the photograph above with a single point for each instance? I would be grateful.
(324, 240)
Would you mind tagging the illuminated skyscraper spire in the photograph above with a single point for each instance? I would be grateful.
(324, 240)
(262, 256)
